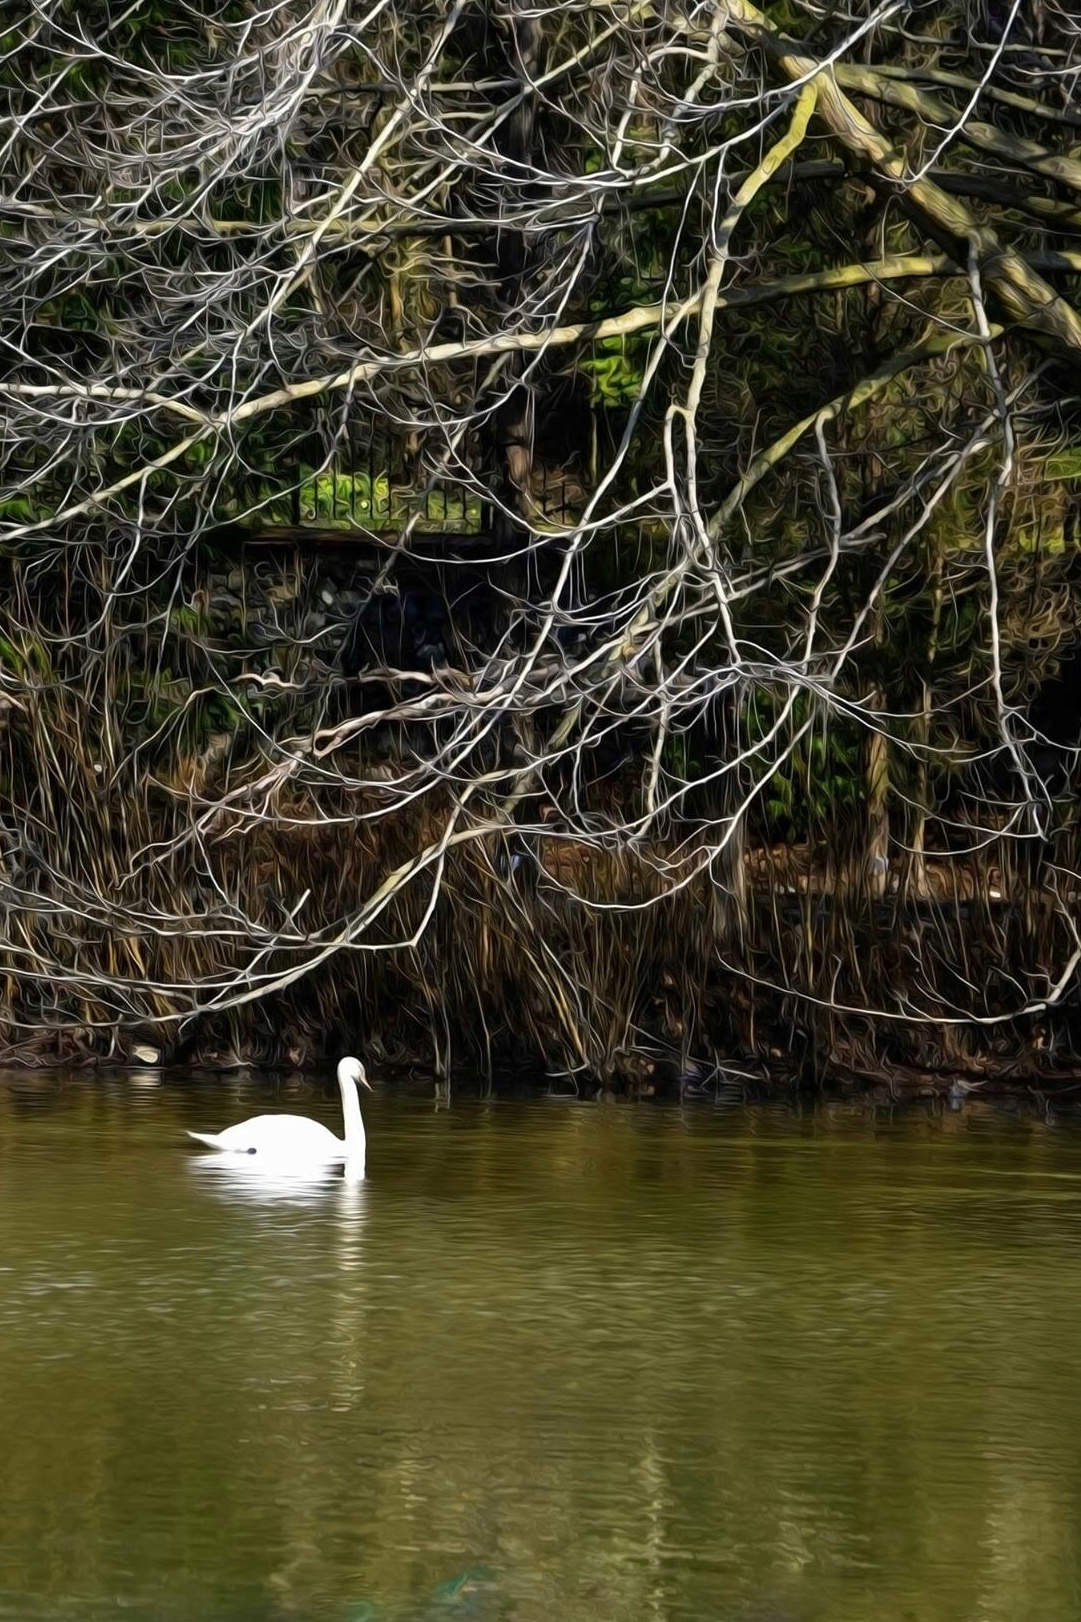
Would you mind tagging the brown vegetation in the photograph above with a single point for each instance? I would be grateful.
(542, 535)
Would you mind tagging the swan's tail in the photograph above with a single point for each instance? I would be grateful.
(211, 1139)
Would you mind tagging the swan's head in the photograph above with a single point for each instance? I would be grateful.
(353, 1070)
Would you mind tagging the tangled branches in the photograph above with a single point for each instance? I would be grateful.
(676, 415)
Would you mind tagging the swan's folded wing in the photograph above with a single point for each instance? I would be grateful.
(282, 1138)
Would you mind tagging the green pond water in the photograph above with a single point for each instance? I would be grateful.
(552, 1362)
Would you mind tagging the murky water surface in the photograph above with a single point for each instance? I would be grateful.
(556, 1362)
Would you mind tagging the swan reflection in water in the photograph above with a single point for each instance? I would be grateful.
(251, 1181)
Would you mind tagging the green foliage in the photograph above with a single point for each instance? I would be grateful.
(819, 781)
(1064, 465)
(28, 658)
(615, 376)
(615, 367)
(23, 508)
(335, 500)
(186, 620)
(11, 659)
(340, 500)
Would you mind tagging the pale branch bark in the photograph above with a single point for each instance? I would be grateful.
(641, 319)
(1024, 295)
(973, 131)
(866, 389)
(335, 231)
(991, 92)
(370, 232)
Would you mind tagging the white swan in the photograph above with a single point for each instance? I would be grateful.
(293, 1140)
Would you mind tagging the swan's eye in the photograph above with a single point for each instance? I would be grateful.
(249, 1151)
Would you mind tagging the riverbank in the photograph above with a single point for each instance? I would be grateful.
(646, 968)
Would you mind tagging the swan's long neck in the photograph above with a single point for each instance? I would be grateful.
(355, 1140)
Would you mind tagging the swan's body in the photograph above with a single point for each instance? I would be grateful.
(293, 1140)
